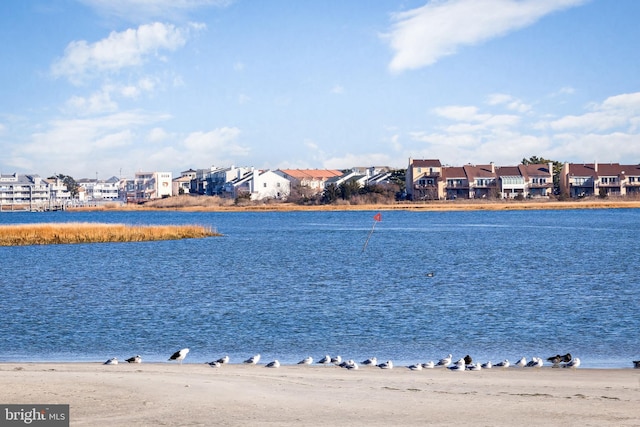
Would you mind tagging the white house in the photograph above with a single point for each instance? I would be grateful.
(260, 185)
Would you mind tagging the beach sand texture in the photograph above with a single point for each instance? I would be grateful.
(167, 394)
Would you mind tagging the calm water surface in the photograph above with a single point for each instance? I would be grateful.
(288, 285)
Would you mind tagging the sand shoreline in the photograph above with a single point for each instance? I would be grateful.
(195, 394)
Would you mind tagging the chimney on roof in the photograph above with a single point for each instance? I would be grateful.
(493, 167)
(595, 166)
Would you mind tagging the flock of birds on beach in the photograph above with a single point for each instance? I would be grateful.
(463, 364)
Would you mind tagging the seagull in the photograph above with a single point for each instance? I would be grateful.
(373, 361)
(428, 365)
(504, 364)
(306, 361)
(430, 274)
(415, 367)
(557, 359)
(535, 362)
(112, 361)
(179, 355)
(274, 364)
(458, 366)
(252, 360)
(487, 365)
(386, 365)
(325, 360)
(474, 366)
(135, 359)
(522, 362)
(336, 360)
(351, 364)
(223, 360)
(573, 363)
(214, 364)
(636, 364)
(445, 361)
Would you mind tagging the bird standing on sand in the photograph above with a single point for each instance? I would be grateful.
(504, 364)
(325, 360)
(274, 364)
(445, 361)
(468, 360)
(522, 362)
(372, 361)
(223, 360)
(351, 364)
(487, 365)
(179, 355)
(252, 360)
(386, 365)
(336, 360)
(573, 363)
(214, 364)
(135, 359)
(112, 361)
(428, 365)
(306, 361)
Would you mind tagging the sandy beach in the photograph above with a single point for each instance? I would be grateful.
(156, 394)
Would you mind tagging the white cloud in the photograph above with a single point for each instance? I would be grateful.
(616, 112)
(129, 48)
(508, 101)
(157, 135)
(337, 89)
(421, 36)
(606, 131)
(221, 140)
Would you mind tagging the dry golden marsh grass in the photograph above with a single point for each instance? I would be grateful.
(64, 233)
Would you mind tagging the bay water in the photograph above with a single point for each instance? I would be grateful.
(491, 284)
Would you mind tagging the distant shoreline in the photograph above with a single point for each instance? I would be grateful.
(203, 204)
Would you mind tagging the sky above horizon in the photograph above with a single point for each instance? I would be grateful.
(101, 88)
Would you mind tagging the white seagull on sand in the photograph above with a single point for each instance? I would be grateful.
(428, 365)
(474, 366)
(487, 365)
(214, 364)
(306, 361)
(415, 367)
(180, 355)
(386, 365)
(535, 362)
(252, 360)
(522, 362)
(351, 364)
(446, 361)
(336, 360)
(223, 360)
(325, 360)
(274, 364)
(458, 366)
(574, 363)
(504, 364)
(135, 359)
(112, 361)
(372, 361)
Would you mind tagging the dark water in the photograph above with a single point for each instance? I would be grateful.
(288, 285)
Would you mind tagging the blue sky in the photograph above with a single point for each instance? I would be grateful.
(110, 87)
